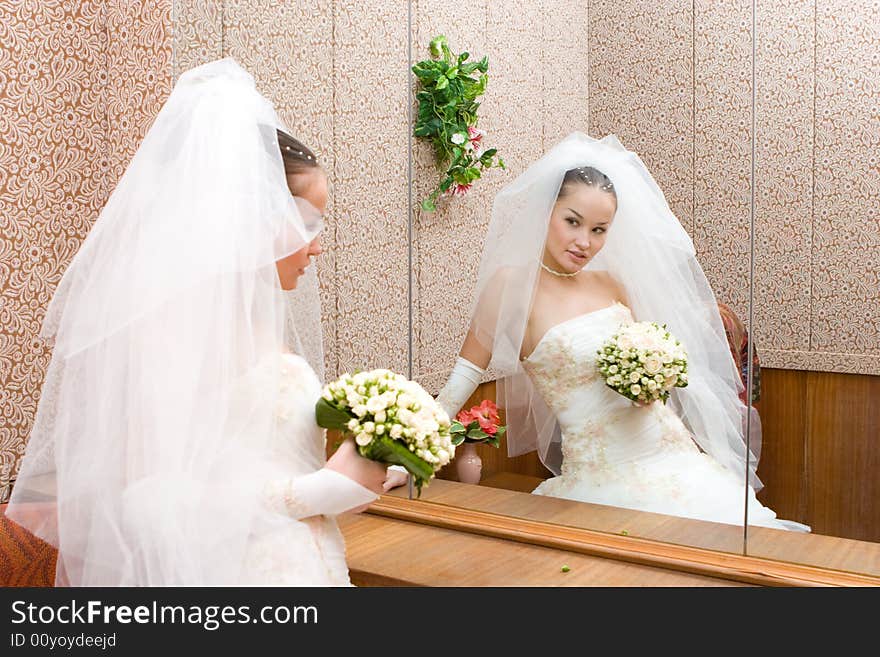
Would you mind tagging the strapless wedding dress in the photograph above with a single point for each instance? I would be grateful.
(618, 454)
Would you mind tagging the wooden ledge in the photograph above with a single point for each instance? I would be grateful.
(694, 560)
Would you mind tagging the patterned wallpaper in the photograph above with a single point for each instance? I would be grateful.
(80, 83)
(818, 185)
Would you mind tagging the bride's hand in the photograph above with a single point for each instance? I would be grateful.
(394, 478)
(347, 461)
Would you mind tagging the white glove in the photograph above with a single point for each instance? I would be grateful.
(462, 382)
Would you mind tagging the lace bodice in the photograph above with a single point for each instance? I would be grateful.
(600, 427)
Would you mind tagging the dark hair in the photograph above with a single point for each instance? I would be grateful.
(589, 176)
(297, 156)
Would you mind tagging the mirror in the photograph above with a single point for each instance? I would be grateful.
(816, 311)
(307, 58)
(675, 88)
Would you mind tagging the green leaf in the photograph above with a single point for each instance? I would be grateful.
(477, 434)
(428, 205)
(457, 439)
(388, 450)
(330, 417)
(437, 44)
(442, 83)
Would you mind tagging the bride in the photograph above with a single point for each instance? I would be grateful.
(580, 244)
(175, 440)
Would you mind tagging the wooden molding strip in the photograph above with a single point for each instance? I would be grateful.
(737, 567)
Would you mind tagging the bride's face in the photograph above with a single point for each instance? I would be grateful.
(578, 226)
(311, 186)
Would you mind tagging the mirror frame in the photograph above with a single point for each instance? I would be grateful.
(724, 565)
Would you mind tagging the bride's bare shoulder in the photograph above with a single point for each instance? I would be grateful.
(609, 284)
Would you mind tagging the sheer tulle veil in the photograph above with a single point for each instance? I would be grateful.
(651, 255)
(150, 441)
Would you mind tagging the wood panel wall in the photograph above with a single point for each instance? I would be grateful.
(820, 458)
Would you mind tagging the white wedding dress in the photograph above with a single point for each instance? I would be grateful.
(296, 541)
(618, 454)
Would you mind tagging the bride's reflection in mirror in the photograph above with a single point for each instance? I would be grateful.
(582, 248)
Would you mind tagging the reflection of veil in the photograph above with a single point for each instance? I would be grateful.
(650, 254)
(154, 426)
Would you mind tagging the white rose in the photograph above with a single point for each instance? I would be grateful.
(352, 424)
(396, 431)
(634, 377)
(360, 410)
(613, 369)
(653, 365)
(380, 429)
(635, 389)
(363, 439)
(375, 404)
(381, 416)
(369, 427)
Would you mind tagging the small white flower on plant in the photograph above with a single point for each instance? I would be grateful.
(458, 138)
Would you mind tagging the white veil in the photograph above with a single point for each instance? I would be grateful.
(650, 254)
(150, 441)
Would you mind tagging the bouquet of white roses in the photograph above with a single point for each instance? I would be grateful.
(643, 362)
(392, 419)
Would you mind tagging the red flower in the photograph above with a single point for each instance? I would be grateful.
(487, 415)
(465, 417)
(458, 190)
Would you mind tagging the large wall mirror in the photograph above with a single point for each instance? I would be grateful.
(758, 123)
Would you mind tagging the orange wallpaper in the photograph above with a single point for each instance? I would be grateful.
(79, 85)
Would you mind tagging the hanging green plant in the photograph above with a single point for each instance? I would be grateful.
(447, 118)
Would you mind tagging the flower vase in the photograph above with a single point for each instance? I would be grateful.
(468, 464)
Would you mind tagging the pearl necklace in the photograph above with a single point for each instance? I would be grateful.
(559, 273)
